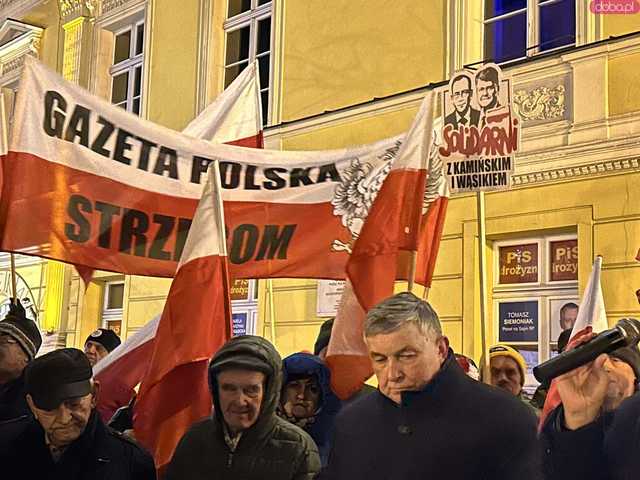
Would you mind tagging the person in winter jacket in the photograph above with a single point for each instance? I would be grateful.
(307, 399)
(428, 419)
(66, 439)
(244, 438)
(20, 341)
(595, 432)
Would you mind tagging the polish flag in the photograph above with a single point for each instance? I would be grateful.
(234, 117)
(434, 208)
(392, 226)
(592, 318)
(123, 369)
(195, 323)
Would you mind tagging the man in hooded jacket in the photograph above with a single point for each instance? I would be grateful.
(307, 399)
(245, 438)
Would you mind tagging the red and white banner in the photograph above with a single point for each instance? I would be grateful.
(393, 225)
(235, 117)
(115, 192)
(195, 323)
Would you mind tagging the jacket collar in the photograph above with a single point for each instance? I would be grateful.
(446, 382)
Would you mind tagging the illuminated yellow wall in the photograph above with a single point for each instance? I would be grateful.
(341, 52)
(624, 84)
(47, 16)
(616, 25)
(171, 95)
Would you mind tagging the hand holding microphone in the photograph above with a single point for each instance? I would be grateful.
(580, 372)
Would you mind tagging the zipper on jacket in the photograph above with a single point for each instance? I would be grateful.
(229, 459)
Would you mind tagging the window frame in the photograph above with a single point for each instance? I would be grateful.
(129, 65)
(251, 18)
(111, 314)
(532, 44)
(543, 292)
(466, 27)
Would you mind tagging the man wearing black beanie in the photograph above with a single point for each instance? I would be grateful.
(99, 344)
(20, 340)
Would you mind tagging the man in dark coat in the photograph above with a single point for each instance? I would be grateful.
(428, 419)
(244, 438)
(66, 439)
(20, 341)
(595, 433)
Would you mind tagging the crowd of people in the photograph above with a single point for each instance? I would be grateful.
(278, 418)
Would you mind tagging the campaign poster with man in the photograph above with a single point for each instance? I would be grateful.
(480, 133)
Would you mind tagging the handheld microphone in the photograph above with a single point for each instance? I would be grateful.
(626, 333)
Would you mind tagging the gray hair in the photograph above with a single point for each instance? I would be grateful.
(400, 310)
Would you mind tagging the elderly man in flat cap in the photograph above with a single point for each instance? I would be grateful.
(20, 340)
(67, 439)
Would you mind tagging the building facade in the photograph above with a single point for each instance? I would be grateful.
(337, 73)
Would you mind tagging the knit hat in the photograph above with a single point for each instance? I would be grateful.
(502, 350)
(22, 329)
(107, 338)
(631, 356)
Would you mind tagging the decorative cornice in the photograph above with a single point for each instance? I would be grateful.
(570, 172)
(106, 6)
(541, 103)
(13, 52)
(71, 9)
(16, 8)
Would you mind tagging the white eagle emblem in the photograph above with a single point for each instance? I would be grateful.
(354, 196)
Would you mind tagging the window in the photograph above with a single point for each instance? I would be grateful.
(112, 308)
(126, 71)
(244, 307)
(247, 38)
(520, 28)
(535, 295)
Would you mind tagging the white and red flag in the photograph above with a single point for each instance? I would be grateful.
(195, 323)
(235, 117)
(115, 192)
(592, 318)
(392, 226)
(123, 369)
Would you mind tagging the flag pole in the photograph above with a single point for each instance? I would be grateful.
(13, 279)
(272, 313)
(412, 269)
(482, 241)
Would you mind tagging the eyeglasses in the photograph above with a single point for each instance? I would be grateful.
(461, 93)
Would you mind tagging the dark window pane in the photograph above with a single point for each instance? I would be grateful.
(115, 295)
(123, 46)
(506, 39)
(265, 105)
(137, 82)
(231, 73)
(238, 6)
(136, 106)
(119, 87)
(139, 39)
(238, 45)
(494, 8)
(264, 35)
(122, 105)
(557, 24)
(262, 2)
(263, 64)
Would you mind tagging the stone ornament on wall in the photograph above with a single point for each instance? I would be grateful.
(541, 103)
(70, 9)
